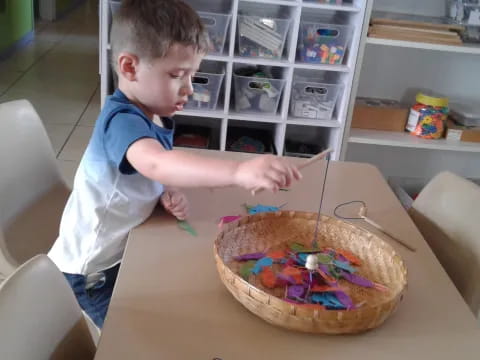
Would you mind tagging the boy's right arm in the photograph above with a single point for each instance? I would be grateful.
(184, 169)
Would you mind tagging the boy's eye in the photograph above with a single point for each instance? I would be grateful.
(175, 76)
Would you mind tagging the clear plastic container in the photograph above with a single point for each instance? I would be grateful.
(216, 25)
(323, 43)
(206, 87)
(428, 116)
(466, 114)
(257, 94)
(313, 100)
(261, 36)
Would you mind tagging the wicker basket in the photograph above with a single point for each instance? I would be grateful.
(266, 231)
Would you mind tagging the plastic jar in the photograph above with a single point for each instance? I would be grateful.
(428, 116)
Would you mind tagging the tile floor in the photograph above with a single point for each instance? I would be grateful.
(58, 73)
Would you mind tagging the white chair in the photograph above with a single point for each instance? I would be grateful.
(40, 317)
(447, 213)
(32, 190)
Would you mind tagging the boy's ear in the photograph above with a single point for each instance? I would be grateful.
(128, 65)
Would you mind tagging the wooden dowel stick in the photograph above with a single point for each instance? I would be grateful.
(315, 158)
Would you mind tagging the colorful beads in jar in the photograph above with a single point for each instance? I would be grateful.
(428, 116)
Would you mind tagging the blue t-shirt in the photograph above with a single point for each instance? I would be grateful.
(109, 197)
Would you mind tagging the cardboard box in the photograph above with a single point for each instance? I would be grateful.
(456, 132)
(379, 114)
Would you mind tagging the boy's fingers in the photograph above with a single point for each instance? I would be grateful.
(167, 197)
(274, 179)
(181, 208)
(290, 170)
(290, 176)
(183, 214)
(277, 177)
(180, 217)
(166, 203)
(296, 172)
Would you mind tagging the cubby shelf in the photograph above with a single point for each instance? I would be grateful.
(283, 125)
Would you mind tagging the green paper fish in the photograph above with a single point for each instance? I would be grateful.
(296, 247)
(246, 269)
(324, 259)
(184, 225)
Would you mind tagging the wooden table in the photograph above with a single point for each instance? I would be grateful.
(162, 311)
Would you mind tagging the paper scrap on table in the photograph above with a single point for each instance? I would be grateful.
(257, 209)
(184, 225)
(228, 219)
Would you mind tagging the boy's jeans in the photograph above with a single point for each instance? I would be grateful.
(95, 300)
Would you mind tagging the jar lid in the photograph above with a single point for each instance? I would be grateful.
(432, 100)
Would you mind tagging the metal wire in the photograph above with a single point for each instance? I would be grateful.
(314, 242)
(348, 203)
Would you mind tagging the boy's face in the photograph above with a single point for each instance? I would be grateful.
(163, 85)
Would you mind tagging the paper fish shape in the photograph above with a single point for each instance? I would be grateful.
(228, 219)
(184, 225)
(257, 209)
(251, 256)
(260, 264)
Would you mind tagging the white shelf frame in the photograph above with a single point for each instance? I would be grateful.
(346, 8)
(462, 49)
(357, 12)
(403, 139)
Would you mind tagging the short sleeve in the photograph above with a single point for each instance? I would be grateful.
(120, 132)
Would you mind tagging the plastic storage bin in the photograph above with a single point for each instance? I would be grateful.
(313, 100)
(206, 87)
(241, 139)
(466, 114)
(323, 43)
(216, 25)
(257, 94)
(261, 36)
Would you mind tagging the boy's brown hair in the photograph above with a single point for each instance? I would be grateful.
(147, 28)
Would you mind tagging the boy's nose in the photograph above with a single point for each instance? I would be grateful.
(188, 88)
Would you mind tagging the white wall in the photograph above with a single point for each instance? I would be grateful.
(417, 7)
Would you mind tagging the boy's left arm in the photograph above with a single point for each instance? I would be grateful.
(175, 202)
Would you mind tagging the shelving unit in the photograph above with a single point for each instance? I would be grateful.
(283, 127)
(464, 49)
(398, 139)
(397, 70)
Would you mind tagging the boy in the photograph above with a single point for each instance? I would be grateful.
(157, 46)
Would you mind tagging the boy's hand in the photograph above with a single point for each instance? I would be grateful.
(266, 172)
(175, 202)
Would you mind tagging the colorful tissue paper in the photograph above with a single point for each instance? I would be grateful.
(257, 209)
(320, 288)
(228, 219)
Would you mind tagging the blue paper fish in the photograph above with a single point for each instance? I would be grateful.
(266, 261)
(257, 209)
(344, 266)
